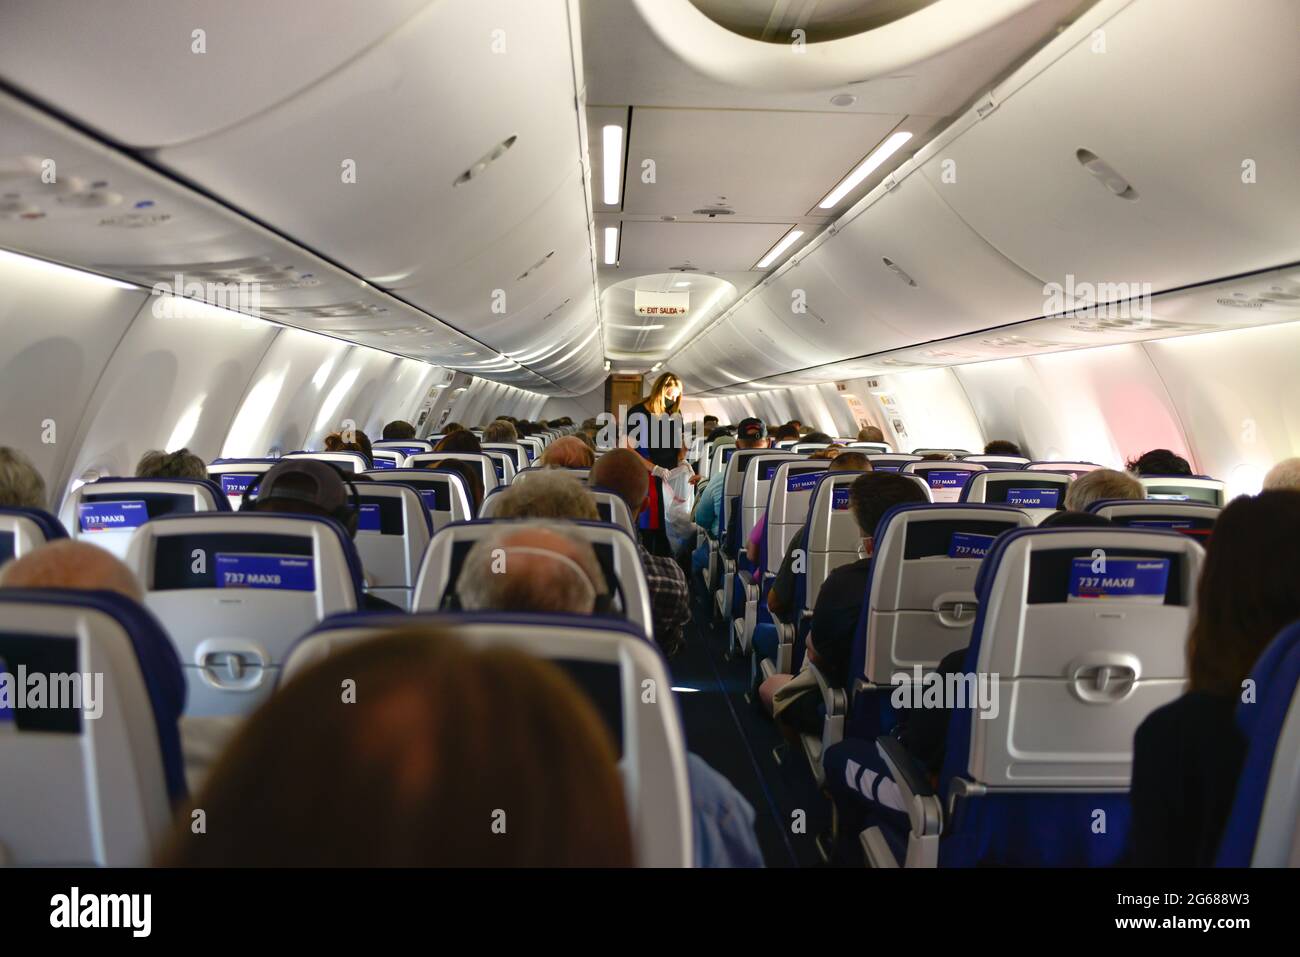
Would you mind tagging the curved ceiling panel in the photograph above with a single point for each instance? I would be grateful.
(198, 68)
(370, 166)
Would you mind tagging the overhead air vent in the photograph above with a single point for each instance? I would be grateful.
(686, 267)
(713, 211)
(893, 267)
(484, 161)
(1105, 174)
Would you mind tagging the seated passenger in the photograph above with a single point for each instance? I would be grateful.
(459, 441)
(547, 571)
(549, 495)
(72, 564)
(708, 424)
(1284, 475)
(451, 427)
(469, 472)
(1100, 485)
(568, 452)
(1001, 447)
(751, 434)
(784, 433)
(1159, 462)
(312, 487)
(870, 433)
(623, 472)
(1187, 755)
(350, 440)
(21, 486)
(397, 430)
(835, 614)
(500, 430)
(426, 768)
(1067, 519)
(780, 597)
(179, 464)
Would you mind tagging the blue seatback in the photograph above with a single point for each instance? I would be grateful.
(1262, 826)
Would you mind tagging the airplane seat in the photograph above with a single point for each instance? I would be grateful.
(890, 461)
(743, 514)
(613, 509)
(1263, 828)
(234, 476)
(533, 447)
(946, 479)
(789, 495)
(615, 549)
(485, 463)
(504, 463)
(523, 475)
(613, 664)
(515, 450)
(1009, 462)
(1080, 634)
(393, 530)
(24, 529)
(403, 446)
(919, 606)
(1191, 518)
(872, 448)
(233, 590)
(1184, 488)
(347, 462)
(386, 459)
(106, 512)
(80, 791)
(1037, 494)
(443, 492)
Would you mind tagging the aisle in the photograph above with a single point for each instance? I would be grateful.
(729, 733)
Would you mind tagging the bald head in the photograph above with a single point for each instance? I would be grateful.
(623, 472)
(531, 568)
(69, 564)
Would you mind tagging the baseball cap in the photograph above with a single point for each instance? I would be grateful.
(305, 480)
(751, 429)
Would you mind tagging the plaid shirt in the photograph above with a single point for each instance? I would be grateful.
(670, 599)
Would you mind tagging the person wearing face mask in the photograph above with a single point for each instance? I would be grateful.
(654, 425)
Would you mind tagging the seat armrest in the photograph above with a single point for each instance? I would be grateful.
(836, 703)
(924, 812)
(876, 849)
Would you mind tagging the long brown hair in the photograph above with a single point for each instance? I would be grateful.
(655, 403)
(1249, 589)
(445, 756)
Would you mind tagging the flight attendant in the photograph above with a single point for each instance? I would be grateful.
(654, 425)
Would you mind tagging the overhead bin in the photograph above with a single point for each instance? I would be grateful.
(1160, 148)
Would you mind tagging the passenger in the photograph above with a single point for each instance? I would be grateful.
(1099, 485)
(179, 464)
(938, 457)
(835, 614)
(780, 597)
(820, 437)
(1284, 475)
(1187, 755)
(1159, 462)
(75, 565)
(548, 495)
(545, 570)
(397, 430)
(723, 819)
(622, 471)
(870, 433)
(587, 439)
(785, 433)
(500, 430)
(416, 771)
(1002, 447)
(654, 424)
(21, 486)
(470, 474)
(312, 487)
(459, 441)
(722, 435)
(708, 424)
(750, 434)
(568, 452)
(451, 427)
(350, 440)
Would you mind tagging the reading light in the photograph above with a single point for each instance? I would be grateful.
(613, 163)
(611, 245)
(865, 169)
(788, 240)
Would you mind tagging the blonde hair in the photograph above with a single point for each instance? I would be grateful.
(1100, 484)
(21, 486)
(654, 402)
